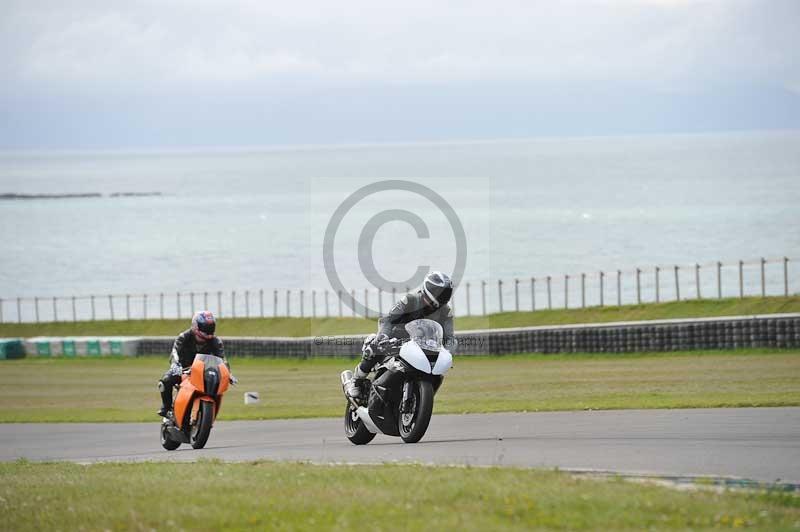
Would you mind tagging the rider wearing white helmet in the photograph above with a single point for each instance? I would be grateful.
(429, 302)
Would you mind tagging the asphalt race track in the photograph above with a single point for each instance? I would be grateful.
(761, 444)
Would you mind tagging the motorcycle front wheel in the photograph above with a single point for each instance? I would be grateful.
(354, 428)
(413, 424)
(202, 428)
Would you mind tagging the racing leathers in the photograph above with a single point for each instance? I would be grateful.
(184, 349)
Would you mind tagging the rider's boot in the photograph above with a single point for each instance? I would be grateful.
(355, 387)
(166, 399)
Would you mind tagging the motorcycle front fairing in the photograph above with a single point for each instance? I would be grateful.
(413, 355)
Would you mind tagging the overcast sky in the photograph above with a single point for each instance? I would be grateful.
(102, 74)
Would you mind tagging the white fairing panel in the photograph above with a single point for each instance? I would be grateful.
(363, 413)
(413, 355)
(443, 363)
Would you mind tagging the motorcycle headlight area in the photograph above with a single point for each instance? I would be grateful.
(211, 381)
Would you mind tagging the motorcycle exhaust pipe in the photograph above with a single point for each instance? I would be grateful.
(346, 377)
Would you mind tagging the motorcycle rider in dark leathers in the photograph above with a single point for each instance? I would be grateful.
(429, 302)
(200, 338)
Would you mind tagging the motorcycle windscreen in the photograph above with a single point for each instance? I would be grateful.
(427, 334)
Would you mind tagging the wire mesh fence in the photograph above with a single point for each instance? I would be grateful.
(658, 283)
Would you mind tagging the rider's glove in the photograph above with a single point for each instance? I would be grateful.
(234, 380)
(175, 369)
(381, 343)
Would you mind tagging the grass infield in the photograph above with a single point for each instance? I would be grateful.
(332, 326)
(124, 389)
(212, 495)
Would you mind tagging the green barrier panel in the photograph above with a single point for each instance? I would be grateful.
(11, 348)
(116, 347)
(43, 349)
(93, 348)
(68, 347)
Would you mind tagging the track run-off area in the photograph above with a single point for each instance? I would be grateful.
(760, 444)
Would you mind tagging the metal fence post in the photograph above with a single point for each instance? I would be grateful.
(697, 280)
(549, 298)
(274, 303)
(36, 308)
(127, 306)
(92, 299)
(763, 278)
(74, 314)
(19, 309)
(205, 300)
(302, 303)
(340, 303)
(327, 308)
(144, 306)
(619, 288)
(638, 286)
(483, 297)
(366, 303)
(468, 303)
(313, 303)
(533, 294)
(233, 303)
(719, 280)
(247, 303)
(516, 295)
(261, 302)
(353, 301)
(394, 295)
(55, 310)
(219, 303)
(741, 279)
(111, 307)
(602, 276)
(658, 285)
(677, 285)
(288, 307)
(785, 279)
(566, 291)
(192, 308)
(583, 290)
(178, 304)
(500, 293)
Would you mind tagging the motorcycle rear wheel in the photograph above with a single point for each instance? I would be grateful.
(201, 430)
(354, 428)
(412, 425)
(166, 441)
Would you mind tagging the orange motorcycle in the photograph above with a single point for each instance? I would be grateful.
(197, 404)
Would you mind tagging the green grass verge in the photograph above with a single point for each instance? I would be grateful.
(330, 326)
(121, 389)
(212, 495)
